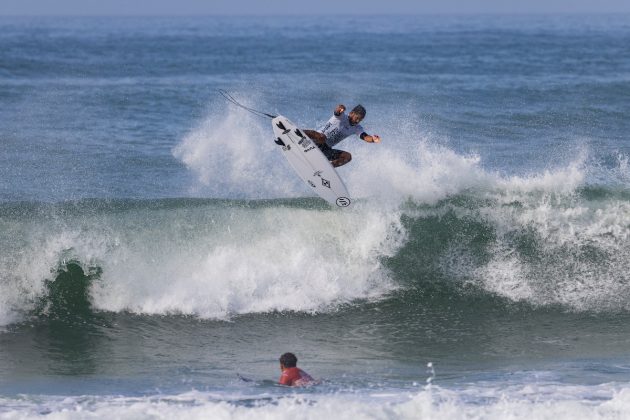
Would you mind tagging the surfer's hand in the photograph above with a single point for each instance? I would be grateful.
(340, 109)
(376, 139)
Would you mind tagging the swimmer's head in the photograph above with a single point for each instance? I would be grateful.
(288, 360)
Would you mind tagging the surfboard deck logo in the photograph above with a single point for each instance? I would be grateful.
(343, 202)
(309, 163)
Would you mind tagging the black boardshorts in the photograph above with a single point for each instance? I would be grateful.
(330, 153)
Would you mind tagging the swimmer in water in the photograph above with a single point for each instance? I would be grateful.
(291, 374)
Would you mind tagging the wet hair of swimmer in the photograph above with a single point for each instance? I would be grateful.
(288, 360)
(359, 110)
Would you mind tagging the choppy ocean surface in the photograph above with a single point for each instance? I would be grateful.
(154, 244)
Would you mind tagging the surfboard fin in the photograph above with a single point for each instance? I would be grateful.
(281, 126)
(299, 133)
(279, 142)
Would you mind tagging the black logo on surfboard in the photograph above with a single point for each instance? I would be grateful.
(343, 201)
(282, 127)
(304, 142)
(325, 183)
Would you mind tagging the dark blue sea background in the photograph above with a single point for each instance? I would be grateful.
(155, 244)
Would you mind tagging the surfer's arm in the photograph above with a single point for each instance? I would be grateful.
(285, 380)
(370, 138)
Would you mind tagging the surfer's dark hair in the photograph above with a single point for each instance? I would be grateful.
(288, 360)
(359, 110)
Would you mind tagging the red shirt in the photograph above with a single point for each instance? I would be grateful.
(294, 377)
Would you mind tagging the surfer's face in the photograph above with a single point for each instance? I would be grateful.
(354, 118)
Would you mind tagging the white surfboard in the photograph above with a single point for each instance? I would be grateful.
(309, 162)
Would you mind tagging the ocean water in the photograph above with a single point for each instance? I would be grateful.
(154, 244)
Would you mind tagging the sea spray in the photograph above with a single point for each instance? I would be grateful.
(232, 154)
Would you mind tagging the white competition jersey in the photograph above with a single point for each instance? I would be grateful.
(338, 128)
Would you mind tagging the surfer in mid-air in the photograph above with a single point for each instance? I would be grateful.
(338, 127)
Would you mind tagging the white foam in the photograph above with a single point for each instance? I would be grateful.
(582, 253)
(547, 401)
(211, 262)
(257, 262)
(428, 172)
